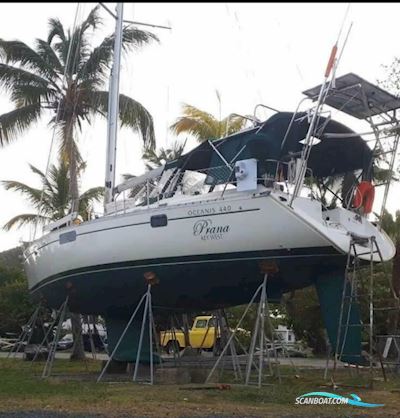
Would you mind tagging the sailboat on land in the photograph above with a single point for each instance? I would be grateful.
(206, 223)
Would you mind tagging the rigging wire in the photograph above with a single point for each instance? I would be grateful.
(343, 22)
(248, 72)
(74, 146)
(335, 64)
(289, 49)
(55, 126)
(314, 123)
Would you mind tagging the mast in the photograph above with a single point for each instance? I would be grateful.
(113, 109)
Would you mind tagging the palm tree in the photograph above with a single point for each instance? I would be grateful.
(204, 126)
(53, 201)
(63, 78)
(157, 157)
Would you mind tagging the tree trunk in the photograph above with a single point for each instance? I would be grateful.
(71, 157)
(78, 352)
(74, 190)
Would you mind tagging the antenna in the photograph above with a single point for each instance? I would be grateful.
(308, 141)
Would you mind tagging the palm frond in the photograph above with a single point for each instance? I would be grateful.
(17, 121)
(205, 126)
(87, 199)
(156, 158)
(198, 114)
(15, 80)
(27, 94)
(46, 183)
(59, 197)
(131, 114)
(46, 52)
(233, 124)
(18, 52)
(56, 29)
(198, 128)
(93, 194)
(134, 115)
(198, 123)
(152, 158)
(25, 219)
(97, 66)
(76, 45)
(93, 20)
(31, 193)
(133, 38)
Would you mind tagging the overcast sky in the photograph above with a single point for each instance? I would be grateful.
(251, 52)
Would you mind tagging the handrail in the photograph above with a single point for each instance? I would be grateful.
(228, 120)
(262, 105)
(149, 190)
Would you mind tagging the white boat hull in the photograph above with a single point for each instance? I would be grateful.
(211, 233)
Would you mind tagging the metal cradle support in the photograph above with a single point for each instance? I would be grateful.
(26, 333)
(265, 344)
(59, 319)
(147, 321)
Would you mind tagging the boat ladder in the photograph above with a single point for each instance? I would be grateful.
(359, 293)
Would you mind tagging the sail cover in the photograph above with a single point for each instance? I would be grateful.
(330, 157)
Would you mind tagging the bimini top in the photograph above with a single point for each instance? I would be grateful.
(332, 156)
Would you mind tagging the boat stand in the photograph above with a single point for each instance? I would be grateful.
(265, 346)
(225, 333)
(51, 336)
(60, 318)
(26, 334)
(147, 320)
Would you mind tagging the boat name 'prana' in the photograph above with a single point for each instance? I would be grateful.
(205, 229)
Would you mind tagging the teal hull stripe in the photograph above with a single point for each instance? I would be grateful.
(207, 258)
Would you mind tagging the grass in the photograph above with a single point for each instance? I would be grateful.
(22, 388)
